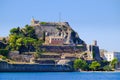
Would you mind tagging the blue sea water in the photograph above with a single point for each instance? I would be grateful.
(60, 76)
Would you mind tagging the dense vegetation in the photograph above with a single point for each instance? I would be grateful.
(80, 64)
(22, 40)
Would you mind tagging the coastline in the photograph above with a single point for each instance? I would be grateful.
(100, 71)
(7, 67)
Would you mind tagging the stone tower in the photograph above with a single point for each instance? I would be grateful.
(94, 43)
(35, 22)
(32, 21)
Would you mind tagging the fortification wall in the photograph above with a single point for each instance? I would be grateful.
(5, 67)
(96, 53)
(63, 49)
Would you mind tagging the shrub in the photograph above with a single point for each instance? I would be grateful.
(107, 68)
(43, 23)
(113, 63)
(4, 52)
(2, 57)
(94, 65)
(80, 64)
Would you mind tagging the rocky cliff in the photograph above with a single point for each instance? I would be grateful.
(57, 29)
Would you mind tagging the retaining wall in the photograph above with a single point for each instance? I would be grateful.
(6, 67)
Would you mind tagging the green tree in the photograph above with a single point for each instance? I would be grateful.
(14, 38)
(12, 42)
(43, 23)
(80, 64)
(113, 63)
(37, 48)
(19, 42)
(107, 68)
(27, 41)
(15, 31)
(19, 37)
(94, 65)
(29, 31)
(4, 52)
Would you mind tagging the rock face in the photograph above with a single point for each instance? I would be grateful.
(61, 29)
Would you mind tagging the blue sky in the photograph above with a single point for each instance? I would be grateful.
(92, 19)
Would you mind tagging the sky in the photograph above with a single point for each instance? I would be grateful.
(91, 19)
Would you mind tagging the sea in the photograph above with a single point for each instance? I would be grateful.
(59, 75)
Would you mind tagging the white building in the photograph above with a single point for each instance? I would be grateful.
(109, 56)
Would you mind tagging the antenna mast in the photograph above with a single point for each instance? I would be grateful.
(59, 16)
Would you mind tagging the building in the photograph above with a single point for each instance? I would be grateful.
(93, 51)
(58, 40)
(109, 56)
(94, 43)
(102, 52)
(35, 22)
(54, 40)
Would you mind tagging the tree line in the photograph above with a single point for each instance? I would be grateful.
(103, 65)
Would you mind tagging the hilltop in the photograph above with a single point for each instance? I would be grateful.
(58, 30)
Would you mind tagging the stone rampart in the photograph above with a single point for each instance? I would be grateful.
(6, 67)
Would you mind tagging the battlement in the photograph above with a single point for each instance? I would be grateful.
(41, 23)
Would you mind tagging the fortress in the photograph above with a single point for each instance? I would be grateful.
(61, 46)
(56, 33)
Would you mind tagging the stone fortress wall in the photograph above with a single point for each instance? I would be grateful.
(6, 67)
